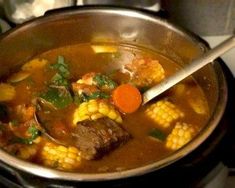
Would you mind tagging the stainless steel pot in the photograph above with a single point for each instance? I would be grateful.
(116, 25)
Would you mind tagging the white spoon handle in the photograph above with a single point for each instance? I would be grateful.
(189, 69)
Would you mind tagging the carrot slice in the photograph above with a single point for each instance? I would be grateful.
(126, 98)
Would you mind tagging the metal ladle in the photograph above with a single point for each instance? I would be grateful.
(189, 69)
(42, 126)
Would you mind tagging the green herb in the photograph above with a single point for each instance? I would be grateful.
(156, 133)
(98, 95)
(78, 99)
(59, 80)
(61, 67)
(62, 75)
(33, 131)
(103, 80)
(83, 97)
(58, 97)
(0, 29)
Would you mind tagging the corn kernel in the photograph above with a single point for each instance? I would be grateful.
(180, 135)
(99, 109)
(60, 157)
(164, 113)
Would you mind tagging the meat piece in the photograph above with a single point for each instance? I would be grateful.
(79, 88)
(24, 113)
(145, 72)
(87, 79)
(95, 138)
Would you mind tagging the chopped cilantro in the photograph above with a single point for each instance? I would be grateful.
(78, 99)
(59, 80)
(58, 97)
(156, 133)
(103, 80)
(62, 75)
(61, 67)
(99, 95)
(33, 131)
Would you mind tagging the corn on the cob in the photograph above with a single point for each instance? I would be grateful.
(60, 157)
(34, 64)
(146, 72)
(95, 109)
(198, 105)
(7, 92)
(164, 113)
(180, 135)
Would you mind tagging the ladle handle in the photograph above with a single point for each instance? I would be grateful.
(189, 69)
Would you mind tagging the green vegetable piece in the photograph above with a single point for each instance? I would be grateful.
(33, 131)
(59, 80)
(61, 67)
(78, 99)
(156, 133)
(98, 95)
(58, 97)
(103, 80)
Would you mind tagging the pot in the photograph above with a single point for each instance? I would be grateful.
(114, 25)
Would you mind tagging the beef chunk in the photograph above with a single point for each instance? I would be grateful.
(95, 138)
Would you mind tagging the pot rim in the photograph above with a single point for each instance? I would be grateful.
(75, 176)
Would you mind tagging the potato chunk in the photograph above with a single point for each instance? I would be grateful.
(7, 92)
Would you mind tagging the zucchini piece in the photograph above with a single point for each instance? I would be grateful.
(157, 134)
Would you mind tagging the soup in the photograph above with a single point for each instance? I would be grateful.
(87, 98)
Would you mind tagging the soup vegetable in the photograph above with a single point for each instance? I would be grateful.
(87, 97)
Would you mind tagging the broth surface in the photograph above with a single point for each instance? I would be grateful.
(141, 148)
